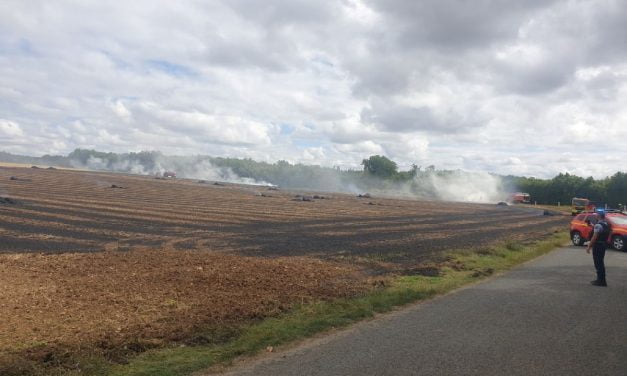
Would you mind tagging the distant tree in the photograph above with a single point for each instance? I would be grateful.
(616, 189)
(409, 174)
(81, 155)
(380, 166)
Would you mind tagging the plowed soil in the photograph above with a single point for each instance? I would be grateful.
(151, 297)
(83, 263)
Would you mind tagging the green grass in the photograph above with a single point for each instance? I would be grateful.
(226, 344)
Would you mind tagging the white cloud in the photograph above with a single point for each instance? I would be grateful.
(484, 85)
(121, 111)
(364, 147)
(10, 129)
(314, 155)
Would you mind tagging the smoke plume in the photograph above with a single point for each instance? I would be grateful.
(156, 164)
(430, 184)
(467, 187)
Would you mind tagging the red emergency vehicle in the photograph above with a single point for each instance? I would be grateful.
(582, 204)
(582, 226)
(520, 198)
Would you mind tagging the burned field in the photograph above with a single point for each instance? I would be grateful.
(102, 260)
(73, 211)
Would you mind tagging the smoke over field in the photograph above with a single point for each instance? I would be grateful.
(436, 185)
(418, 183)
(154, 163)
(467, 187)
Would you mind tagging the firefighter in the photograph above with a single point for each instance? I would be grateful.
(598, 244)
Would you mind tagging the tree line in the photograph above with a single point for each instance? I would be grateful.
(378, 172)
(611, 190)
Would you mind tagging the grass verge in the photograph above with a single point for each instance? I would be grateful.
(460, 268)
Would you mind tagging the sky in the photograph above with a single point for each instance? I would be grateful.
(531, 88)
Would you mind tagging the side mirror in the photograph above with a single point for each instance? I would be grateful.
(588, 222)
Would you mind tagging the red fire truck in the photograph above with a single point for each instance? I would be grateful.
(520, 198)
(581, 205)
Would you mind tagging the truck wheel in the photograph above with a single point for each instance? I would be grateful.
(576, 238)
(618, 242)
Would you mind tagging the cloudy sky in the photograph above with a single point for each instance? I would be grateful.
(531, 87)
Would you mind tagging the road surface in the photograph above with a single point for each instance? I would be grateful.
(542, 318)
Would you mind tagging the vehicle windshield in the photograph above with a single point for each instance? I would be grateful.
(619, 220)
(580, 202)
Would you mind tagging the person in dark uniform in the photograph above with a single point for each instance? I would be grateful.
(598, 244)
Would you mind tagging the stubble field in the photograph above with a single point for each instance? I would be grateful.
(112, 261)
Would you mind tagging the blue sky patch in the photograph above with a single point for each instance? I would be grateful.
(25, 47)
(21, 46)
(286, 129)
(172, 69)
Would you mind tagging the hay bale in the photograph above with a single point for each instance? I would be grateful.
(8, 201)
(15, 178)
(302, 198)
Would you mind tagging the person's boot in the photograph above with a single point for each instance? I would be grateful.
(596, 282)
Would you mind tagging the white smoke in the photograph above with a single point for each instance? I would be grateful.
(190, 168)
(479, 187)
(205, 170)
(461, 186)
(352, 188)
(132, 167)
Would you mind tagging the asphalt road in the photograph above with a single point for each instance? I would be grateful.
(542, 318)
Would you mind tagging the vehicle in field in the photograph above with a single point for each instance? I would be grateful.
(520, 198)
(582, 204)
(581, 228)
(169, 174)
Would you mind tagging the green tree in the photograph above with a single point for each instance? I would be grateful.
(380, 166)
(616, 189)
